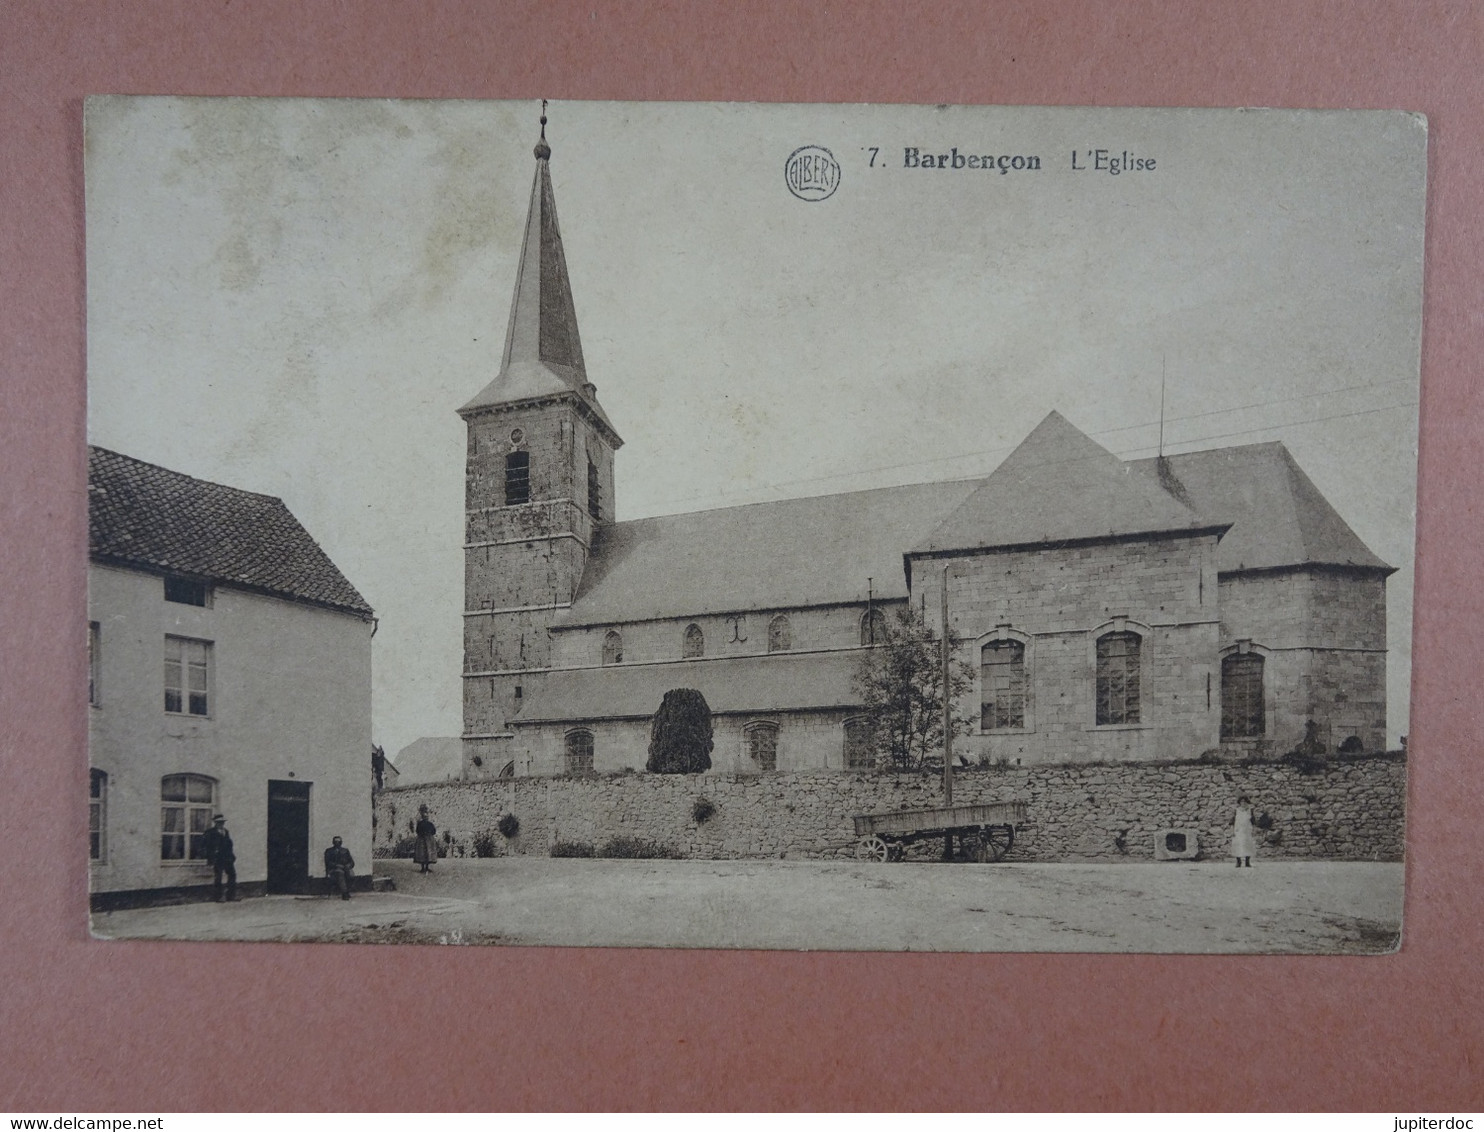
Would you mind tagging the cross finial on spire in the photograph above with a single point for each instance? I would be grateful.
(543, 151)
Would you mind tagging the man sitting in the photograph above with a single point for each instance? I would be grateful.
(339, 865)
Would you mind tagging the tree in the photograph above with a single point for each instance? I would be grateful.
(900, 682)
(680, 737)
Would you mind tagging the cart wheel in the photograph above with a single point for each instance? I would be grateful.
(976, 848)
(997, 841)
(872, 849)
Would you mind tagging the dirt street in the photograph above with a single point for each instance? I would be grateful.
(1289, 906)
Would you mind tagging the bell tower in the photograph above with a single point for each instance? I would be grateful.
(538, 485)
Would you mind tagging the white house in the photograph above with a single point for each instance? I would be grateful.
(230, 673)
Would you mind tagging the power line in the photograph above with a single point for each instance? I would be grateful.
(1101, 432)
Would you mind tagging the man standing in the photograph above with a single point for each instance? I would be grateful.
(218, 846)
(338, 868)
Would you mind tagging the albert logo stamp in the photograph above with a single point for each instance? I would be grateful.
(811, 173)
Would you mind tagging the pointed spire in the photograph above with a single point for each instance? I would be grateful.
(543, 352)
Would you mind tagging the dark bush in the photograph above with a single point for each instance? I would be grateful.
(485, 844)
(572, 849)
(508, 825)
(680, 740)
(703, 811)
(636, 848)
(403, 847)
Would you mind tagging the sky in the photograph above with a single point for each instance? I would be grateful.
(294, 296)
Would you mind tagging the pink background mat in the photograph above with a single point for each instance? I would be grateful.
(92, 1026)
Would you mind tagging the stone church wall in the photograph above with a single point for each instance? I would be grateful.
(1324, 636)
(1348, 810)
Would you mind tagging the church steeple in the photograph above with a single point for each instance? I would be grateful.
(543, 350)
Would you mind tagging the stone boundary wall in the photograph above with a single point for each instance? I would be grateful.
(1350, 810)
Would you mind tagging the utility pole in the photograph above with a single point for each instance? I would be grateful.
(947, 706)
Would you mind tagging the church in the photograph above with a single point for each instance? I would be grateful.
(1207, 603)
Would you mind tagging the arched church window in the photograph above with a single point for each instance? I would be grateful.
(1118, 691)
(860, 744)
(517, 478)
(762, 743)
(1002, 682)
(613, 647)
(780, 634)
(579, 752)
(1242, 715)
(695, 642)
(873, 627)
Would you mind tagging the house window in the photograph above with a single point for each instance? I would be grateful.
(1118, 678)
(579, 752)
(613, 647)
(187, 665)
(93, 664)
(873, 627)
(517, 478)
(695, 642)
(1242, 714)
(780, 634)
(187, 802)
(860, 744)
(762, 744)
(1002, 679)
(594, 492)
(185, 592)
(97, 815)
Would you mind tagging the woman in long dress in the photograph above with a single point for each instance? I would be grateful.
(1243, 839)
(425, 852)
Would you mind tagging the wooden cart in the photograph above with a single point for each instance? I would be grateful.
(985, 832)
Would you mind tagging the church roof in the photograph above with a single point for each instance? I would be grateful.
(433, 758)
(736, 685)
(1059, 485)
(795, 552)
(1279, 518)
(146, 516)
(543, 351)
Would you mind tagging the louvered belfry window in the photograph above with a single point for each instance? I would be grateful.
(1118, 678)
(1242, 715)
(1002, 675)
(517, 478)
(594, 492)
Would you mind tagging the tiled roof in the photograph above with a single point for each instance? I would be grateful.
(783, 555)
(777, 682)
(1059, 486)
(1279, 518)
(143, 515)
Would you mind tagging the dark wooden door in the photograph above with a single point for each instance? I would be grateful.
(288, 835)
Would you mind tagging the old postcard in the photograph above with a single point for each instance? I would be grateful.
(847, 527)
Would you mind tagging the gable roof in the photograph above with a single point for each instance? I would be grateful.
(1279, 518)
(1059, 485)
(796, 552)
(763, 684)
(143, 515)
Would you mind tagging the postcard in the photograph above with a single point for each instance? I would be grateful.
(847, 527)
